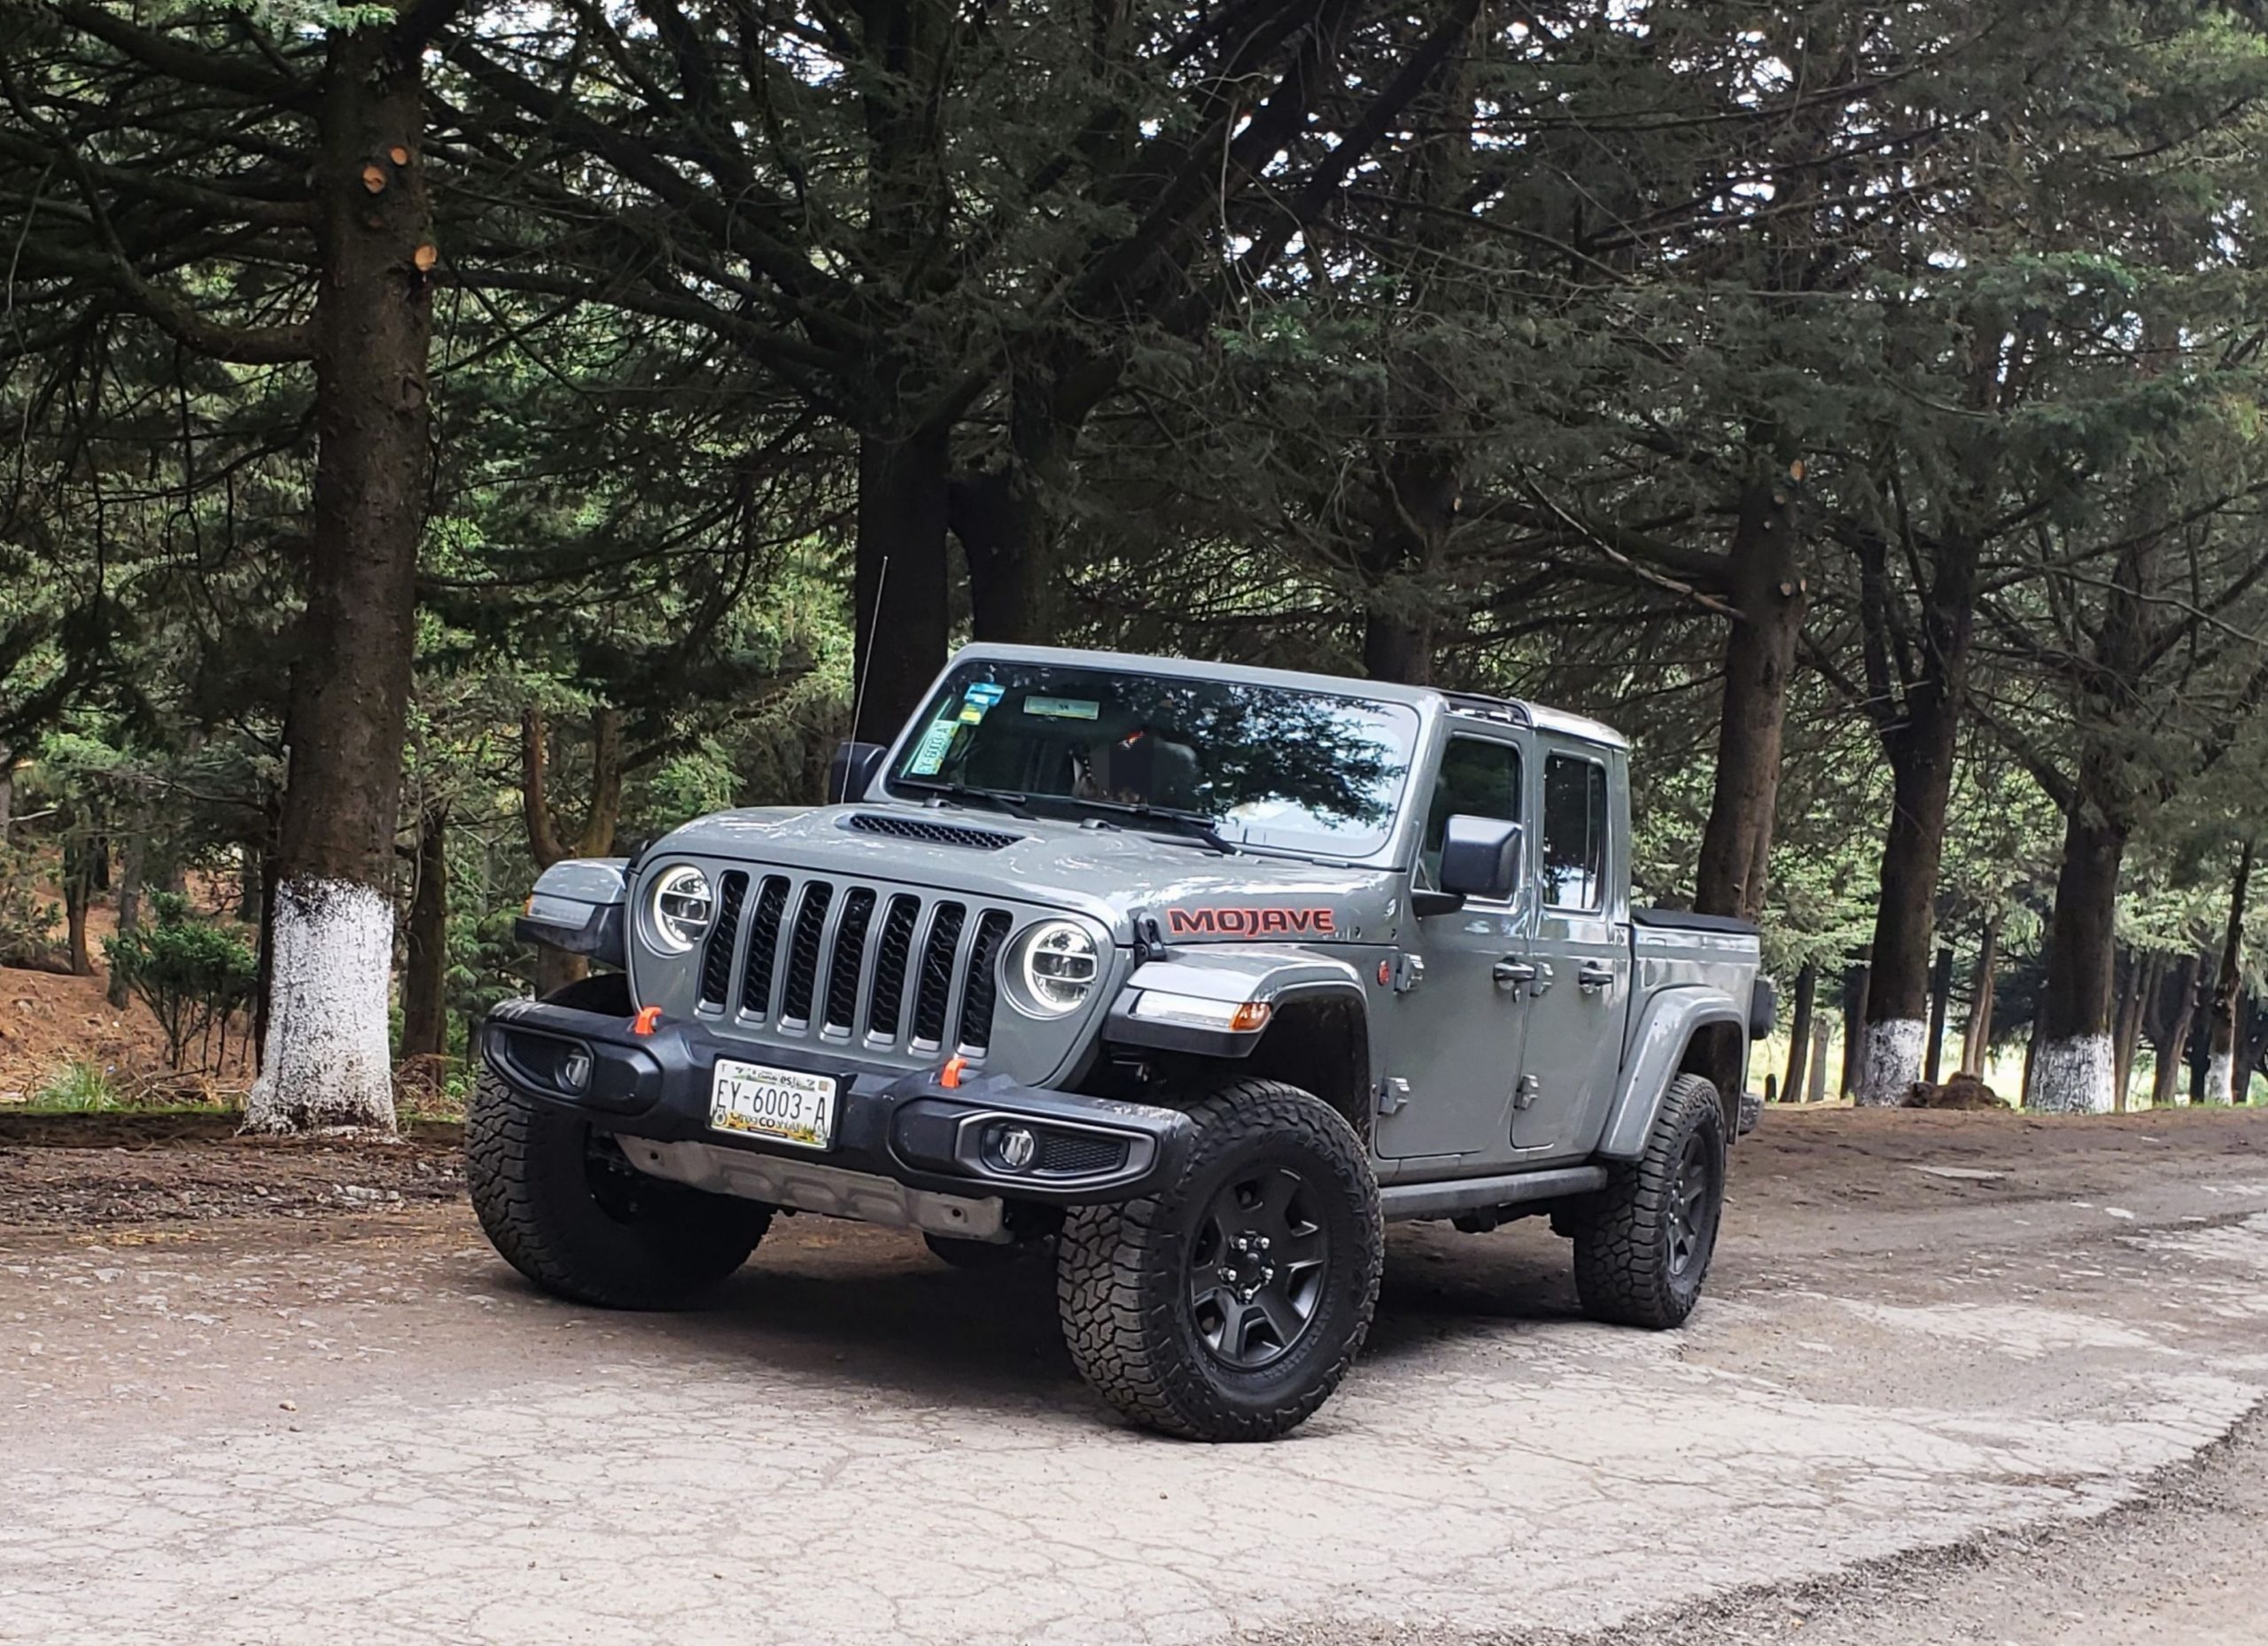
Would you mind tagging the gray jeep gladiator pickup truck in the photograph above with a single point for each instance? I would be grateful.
(1194, 974)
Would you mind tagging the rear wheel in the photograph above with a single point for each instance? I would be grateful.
(560, 1203)
(1230, 1305)
(1643, 1243)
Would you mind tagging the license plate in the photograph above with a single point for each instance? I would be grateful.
(782, 1104)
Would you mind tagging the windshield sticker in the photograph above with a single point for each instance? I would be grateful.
(1233, 922)
(985, 692)
(929, 756)
(1063, 707)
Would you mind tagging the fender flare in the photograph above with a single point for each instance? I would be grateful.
(1227, 977)
(1666, 1027)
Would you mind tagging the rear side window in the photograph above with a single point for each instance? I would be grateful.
(1574, 832)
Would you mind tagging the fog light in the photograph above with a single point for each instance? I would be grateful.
(575, 1071)
(1018, 1147)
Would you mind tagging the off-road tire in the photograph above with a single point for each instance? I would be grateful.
(1628, 1270)
(1123, 1273)
(561, 1205)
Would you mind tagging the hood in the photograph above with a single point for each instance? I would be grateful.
(1119, 875)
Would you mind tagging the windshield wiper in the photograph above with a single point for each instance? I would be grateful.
(1193, 825)
(988, 799)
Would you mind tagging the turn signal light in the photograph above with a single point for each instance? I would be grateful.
(1251, 1014)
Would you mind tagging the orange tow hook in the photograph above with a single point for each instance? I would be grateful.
(648, 1020)
(949, 1076)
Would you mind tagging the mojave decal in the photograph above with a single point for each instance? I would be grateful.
(1249, 923)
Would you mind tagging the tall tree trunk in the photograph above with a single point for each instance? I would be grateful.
(327, 1058)
(900, 594)
(78, 892)
(7, 794)
(1822, 1034)
(129, 901)
(1977, 1034)
(250, 856)
(1759, 661)
(1920, 729)
(548, 841)
(2167, 1088)
(2141, 982)
(1941, 997)
(1854, 1023)
(1799, 1029)
(2071, 1066)
(2228, 983)
(425, 972)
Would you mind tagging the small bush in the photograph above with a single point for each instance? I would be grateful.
(194, 976)
(28, 921)
(77, 1087)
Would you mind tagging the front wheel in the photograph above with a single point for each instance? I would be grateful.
(1643, 1243)
(1230, 1305)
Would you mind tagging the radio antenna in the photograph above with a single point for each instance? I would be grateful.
(865, 669)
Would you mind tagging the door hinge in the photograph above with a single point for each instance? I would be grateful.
(1523, 1093)
(1409, 972)
(1394, 1097)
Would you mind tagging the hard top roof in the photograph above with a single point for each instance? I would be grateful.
(1469, 703)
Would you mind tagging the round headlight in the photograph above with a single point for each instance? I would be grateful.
(1059, 965)
(682, 906)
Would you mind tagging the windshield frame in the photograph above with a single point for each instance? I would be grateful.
(1391, 839)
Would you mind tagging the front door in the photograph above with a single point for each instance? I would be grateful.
(1573, 1055)
(1454, 1055)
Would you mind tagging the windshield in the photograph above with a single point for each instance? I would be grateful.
(1265, 765)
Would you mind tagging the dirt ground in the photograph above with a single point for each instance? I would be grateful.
(1960, 1378)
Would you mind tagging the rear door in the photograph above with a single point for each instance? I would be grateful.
(1453, 1050)
(1573, 1054)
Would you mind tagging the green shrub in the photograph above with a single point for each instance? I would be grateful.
(28, 921)
(78, 1087)
(194, 976)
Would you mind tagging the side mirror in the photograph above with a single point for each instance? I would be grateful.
(851, 770)
(1480, 858)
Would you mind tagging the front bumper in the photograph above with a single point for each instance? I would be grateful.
(905, 1126)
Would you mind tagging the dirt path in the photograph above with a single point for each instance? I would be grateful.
(258, 1427)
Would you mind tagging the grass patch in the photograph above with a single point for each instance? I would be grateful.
(77, 1088)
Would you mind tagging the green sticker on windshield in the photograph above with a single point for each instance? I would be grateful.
(936, 744)
(1063, 707)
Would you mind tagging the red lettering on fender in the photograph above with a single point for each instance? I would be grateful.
(1234, 922)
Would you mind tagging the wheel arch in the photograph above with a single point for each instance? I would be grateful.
(1691, 1030)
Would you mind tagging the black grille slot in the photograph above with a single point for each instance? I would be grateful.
(984, 989)
(849, 951)
(892, 950)
(934, 834)
(1071, 1155)
(802, 952)
(763, 945)
(936, 984)
(717, 953)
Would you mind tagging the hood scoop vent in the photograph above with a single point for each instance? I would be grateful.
(934, 834)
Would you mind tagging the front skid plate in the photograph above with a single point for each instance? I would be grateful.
(808, 1186)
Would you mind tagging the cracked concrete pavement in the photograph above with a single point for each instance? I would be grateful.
(257, 1431)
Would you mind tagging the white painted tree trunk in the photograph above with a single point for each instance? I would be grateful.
(327, 1061)
(1890, 1062)
(2071, 1076)
(2220, 1078)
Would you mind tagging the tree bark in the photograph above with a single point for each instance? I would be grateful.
(1854, 1023)
(2170, 1059)
(547, 842)
(2228, 983)
(2072, 1065)
(78, 890)
(1977, 1035)
(1759, 661)
(1799, 1029)
(1941, 997)
(1919, 723)
(327, 1058)
(129, 902)
(425, 973)
(1821, 1032)
(2141, 980)
(900, 583)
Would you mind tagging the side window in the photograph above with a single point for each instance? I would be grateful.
(1478, 779)
(1574, 832)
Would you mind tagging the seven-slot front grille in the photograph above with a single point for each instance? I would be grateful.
(913, 971)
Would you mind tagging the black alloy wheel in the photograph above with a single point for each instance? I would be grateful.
(1259, 1261)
